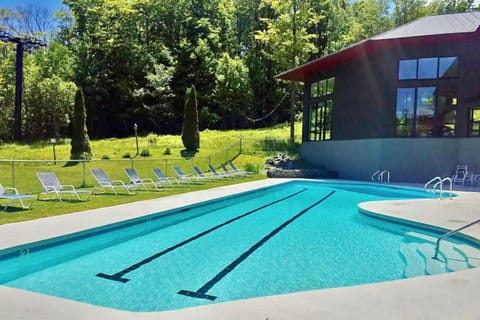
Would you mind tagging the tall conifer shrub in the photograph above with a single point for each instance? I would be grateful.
(190, 133)
(80, 141)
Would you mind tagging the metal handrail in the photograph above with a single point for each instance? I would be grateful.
(448, 234)
(432, 181)
(439, 185)
(381, 176)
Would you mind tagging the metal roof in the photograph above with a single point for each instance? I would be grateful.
(425, 30)
(435, 25)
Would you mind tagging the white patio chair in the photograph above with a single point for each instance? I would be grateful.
(104, 182)
(11, 194)
(51, 185)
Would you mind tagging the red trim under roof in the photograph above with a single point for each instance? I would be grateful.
(369, 46)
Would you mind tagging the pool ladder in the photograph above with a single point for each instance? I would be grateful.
(381, 176)
(437, 186)
(448, 234)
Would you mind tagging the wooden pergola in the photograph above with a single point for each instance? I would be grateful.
(23, 44)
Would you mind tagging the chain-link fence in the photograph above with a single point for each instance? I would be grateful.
(22, 173)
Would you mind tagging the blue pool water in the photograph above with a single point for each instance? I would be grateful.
(294, 237)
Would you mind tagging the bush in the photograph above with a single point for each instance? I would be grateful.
(127, 155)
(105, 157)
(251, 168)
(167, 152)
(145, 153)
(152, 139)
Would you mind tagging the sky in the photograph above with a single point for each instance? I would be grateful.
(52, 5)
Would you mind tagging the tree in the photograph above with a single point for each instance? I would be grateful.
(190, 134)
(288, 33)
(80, 142)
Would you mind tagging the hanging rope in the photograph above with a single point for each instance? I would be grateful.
(268, 114)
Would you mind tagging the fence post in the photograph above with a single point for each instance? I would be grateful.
(166, 164)
(13, 173)
(84, 167)
(240, 152)
(131, 162)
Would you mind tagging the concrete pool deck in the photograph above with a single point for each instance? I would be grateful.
(447, 296)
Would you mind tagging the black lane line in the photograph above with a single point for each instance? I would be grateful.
(202, 292)
(119, 275)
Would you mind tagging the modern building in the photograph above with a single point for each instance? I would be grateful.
(407, 100)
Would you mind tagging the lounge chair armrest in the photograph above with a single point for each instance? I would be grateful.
(119, 182)
(50, 188)
(68, 186)
(14, 190)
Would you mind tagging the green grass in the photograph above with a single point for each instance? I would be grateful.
(216, 147)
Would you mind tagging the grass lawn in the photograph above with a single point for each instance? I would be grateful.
(216, 147)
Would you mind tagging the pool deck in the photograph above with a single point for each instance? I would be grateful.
(447, 296)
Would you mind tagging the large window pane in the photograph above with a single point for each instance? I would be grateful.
(314, 90)
(405, 111)
(407, 69)
(427, 68)
(330, 85)
(425, 113)
(446, 112)
(314, 130)
(327, 120)
(475, 122)
(448, 67)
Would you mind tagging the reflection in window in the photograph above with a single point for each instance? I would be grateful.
(322, 88)
(407, 69)
(330, 85)
(446, 112)
(427, 68)
(320, 121)
(426, 111)
(448, 67)
(475, 122)
(405, 111)
(426, 98)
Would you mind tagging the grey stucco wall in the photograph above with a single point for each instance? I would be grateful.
(408, 160)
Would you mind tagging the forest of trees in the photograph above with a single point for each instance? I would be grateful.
(134, 59)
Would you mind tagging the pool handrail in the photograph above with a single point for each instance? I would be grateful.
(439, 186)
(448, 234)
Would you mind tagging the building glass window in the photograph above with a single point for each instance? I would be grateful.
(427, 68)
(405, 111)
(448, 67)
(475, 122)
(446, 112)
(426, 111)
(407, 69)
(320, 120)
(322, 88)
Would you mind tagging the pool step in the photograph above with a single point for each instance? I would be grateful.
(419, 250)
(414, 264)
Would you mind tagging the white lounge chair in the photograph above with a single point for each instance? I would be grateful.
(217, 174)
(11, 194)
(203, 176)
(462, 175)
(104, 182)
(184, 177)
(51, 185)
(231, 173)
(135, 179)
(163, 179)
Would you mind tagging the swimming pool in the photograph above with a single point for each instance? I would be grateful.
(295, 237)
